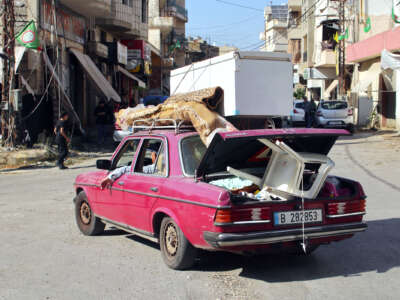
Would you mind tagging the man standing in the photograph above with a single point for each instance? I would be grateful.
(62, 140)
(101, 121)
(307, 112)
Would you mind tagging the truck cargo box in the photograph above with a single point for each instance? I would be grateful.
(255, 83)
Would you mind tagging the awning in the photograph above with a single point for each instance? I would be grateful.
(65, 100)
(96, 76)
(131, 76)
(330, 88)
(27, 86)
(367, 77)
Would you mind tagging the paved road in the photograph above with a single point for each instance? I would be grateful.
(43, 255)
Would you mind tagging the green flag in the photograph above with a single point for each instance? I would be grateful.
(28, 36)
(367, 26)
(344, 36)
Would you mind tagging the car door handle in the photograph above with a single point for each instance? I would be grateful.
(154, 189)
(121, 182)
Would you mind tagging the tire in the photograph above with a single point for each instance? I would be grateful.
(87, 222)
(350, 128)
(176, 250)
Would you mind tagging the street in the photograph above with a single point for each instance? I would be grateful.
(44, 256)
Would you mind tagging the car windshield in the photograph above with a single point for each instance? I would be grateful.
(192, 150)
(299, 105)
(331, 105)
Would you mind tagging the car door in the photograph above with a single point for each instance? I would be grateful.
(145, 184)
(110, 203)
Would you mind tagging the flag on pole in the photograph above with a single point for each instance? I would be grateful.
(344, 36)
(336, 37)
(367, 26)
(28, 36)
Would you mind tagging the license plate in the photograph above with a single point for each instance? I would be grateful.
(297, 217)
(335, 123)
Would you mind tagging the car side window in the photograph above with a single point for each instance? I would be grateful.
(126, 153)
(152, 158)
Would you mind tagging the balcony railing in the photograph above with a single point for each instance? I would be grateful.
(120, 18)
(176, 10)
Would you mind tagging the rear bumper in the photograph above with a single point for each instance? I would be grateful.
(219, 240)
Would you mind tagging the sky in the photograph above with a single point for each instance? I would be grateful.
(222, 23)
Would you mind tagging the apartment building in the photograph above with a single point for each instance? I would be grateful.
(275, 32)
(91, 50)
(167, 20)
(376, 90)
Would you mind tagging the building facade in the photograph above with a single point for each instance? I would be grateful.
(90, 51)
(275, 33)
(167, 20)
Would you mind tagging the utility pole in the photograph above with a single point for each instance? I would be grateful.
(342, 49)
(8, 117)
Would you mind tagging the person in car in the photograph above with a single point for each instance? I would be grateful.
(107, 181)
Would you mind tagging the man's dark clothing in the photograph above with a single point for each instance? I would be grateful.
(101, 115)
(61, 142)
(309, 113)
(62, 152)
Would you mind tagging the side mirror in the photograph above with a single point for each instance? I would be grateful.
(103, 164)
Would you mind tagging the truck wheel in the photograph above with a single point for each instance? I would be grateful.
(269, 124)
(87, 222)
(176, 250)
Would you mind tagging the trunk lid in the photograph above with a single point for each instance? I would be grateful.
(243, 147)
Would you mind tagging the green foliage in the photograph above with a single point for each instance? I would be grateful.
(299, 93)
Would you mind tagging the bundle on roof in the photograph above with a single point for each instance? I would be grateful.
(196, 108)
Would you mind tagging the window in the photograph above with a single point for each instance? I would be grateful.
(299, 105)
(192, 150)
(144, 11)
(152, 158)
(126, 154)
(332, 105)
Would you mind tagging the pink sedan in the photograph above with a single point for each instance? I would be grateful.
(249, 191)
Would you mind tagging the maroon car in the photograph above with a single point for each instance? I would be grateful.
(249, 191)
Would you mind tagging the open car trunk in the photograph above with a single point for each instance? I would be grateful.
(265, 165)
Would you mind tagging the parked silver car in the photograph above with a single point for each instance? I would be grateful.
(297, 114)
(334, 114)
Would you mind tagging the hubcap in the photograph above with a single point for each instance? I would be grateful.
(85, 213)
(171, 239)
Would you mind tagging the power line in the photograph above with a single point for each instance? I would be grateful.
(226, 25)
(239, 5)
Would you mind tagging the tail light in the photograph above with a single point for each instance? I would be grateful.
(295, 111)
(319, 113)
(350, 112)
(242, 215)
(348, 207)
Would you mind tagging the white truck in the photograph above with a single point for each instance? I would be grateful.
(258, 86)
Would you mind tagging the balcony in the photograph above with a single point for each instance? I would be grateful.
(294, 5)
(276, 24)
(91, 8)
(326, 59)
(176, 10)
(120, 18)
(276, 47)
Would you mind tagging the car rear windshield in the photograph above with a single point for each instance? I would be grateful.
(192, 151)
(331, 105)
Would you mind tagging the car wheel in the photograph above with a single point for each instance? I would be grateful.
(87, 222)
(176, 250)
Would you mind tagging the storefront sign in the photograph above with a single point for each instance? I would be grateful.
(69, 25)
(139, 56)
(122, 54)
